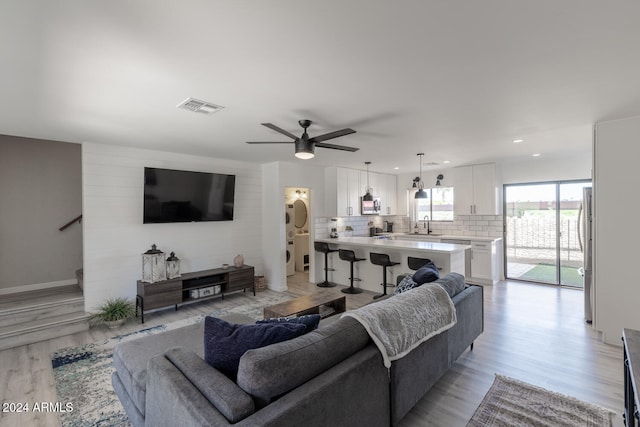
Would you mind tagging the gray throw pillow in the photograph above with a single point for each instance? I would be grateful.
(453, 283)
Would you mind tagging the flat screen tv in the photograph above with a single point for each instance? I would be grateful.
(184, 196)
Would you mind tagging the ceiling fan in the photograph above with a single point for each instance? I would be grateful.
(304, 145)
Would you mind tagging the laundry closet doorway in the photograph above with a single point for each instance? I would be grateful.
(297, 200)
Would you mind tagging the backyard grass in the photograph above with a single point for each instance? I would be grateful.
(547, 273)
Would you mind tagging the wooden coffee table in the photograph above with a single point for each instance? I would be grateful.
(323, 303)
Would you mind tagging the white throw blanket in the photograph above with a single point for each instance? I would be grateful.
(401, 323)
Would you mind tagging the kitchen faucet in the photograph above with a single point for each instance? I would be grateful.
(426, 223)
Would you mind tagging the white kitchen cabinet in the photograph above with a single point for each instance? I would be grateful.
(384, 186)
(389, 194)
(475, 190)
(343, 192)
(374, 183)
(345, 187)
(484, 262)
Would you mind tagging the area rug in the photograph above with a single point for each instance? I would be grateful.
(510, 402)
(83, 374)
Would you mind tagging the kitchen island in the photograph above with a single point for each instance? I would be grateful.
(446, 256)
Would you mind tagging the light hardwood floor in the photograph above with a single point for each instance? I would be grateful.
(532, 333)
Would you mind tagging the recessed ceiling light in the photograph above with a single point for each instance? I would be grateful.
(446, 161)
(198, 106)
(518, 141)
(536, 155)
(396, 167)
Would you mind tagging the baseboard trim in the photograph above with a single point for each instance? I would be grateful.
(38, 286)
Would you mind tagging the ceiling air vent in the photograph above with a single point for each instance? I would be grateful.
(198, 106)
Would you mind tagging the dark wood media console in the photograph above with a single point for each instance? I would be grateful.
(211, 283)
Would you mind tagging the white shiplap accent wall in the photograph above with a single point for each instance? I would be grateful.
(114, 236)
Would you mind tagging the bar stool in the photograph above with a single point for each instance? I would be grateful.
(324, 248)
(347, 255)
(416, 263)
(384, 261)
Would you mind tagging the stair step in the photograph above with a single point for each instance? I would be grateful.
(20, 299)
(43, 329)
(20, 311)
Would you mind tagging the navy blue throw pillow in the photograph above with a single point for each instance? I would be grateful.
(311, 321)
(225, 343)
(427, 273)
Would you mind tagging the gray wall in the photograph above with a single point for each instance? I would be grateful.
(40, 190)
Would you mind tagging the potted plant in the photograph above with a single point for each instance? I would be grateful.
(114, 312)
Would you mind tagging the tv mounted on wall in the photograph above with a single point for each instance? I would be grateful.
(185, 196)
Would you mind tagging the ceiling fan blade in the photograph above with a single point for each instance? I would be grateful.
(279, 130)
(270, 142)
(332, 135)
(335, 147)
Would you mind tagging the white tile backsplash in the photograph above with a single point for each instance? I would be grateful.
(462, 225)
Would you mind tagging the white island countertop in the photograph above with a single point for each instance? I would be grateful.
(421, 235)
(412, 245)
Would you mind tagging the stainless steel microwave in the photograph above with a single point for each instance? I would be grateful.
(370, 207)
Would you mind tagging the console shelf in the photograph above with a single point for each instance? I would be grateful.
(214, 283)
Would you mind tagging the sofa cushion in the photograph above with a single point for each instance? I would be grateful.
(130, 358)
(427, 273)
(453, 283)
(261, 370)
(311, 321)
(223, 393)
(225, 343)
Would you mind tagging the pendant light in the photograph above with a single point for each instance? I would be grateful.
(368, 192)
(420, 194)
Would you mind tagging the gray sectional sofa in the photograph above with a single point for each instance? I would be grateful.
(331, 376)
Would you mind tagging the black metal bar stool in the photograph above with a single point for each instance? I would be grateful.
(324, 248)
(347, 255)
(416, 263)
(384, 261)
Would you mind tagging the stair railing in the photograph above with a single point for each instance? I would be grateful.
(77, 219)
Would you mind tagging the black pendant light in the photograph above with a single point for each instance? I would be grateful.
(368, 192)
(421, 194)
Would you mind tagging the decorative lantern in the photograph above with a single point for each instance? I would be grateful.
(153, 265)
(173, 266)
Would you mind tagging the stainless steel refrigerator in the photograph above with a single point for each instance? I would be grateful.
(585, 238)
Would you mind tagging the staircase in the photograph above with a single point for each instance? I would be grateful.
(33, 316)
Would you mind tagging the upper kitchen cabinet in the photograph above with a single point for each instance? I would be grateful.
(343, 191)
(475, 190)
(389, 194)
(384, 186)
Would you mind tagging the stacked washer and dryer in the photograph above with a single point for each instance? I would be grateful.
(290, 221)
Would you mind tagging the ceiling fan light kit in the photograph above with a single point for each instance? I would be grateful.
(305, 146)
(304, 149)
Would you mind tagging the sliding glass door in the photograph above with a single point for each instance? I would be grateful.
(541, 223)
